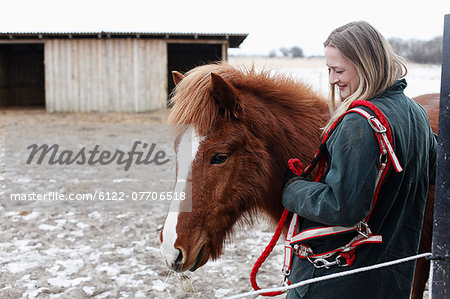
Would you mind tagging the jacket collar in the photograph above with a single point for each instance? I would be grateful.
(399, 85)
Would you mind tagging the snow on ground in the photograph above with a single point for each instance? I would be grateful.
(112, 251)
(96, 254)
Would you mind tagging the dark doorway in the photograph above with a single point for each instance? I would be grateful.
(184, 57)
(22, 75)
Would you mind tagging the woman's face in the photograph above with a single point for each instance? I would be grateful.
(341, 72)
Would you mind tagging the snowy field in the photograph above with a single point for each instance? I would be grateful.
(421, 79)
(103, 250)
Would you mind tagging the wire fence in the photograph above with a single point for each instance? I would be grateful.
(332, 276)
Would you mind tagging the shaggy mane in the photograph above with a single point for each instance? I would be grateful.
(193, 103)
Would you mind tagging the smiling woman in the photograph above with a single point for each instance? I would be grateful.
(342, 72)
(363, 66)
(376, 64)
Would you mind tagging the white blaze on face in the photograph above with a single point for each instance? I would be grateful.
(187, 151)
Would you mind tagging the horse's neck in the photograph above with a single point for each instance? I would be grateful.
(294, 133)
(304, 135)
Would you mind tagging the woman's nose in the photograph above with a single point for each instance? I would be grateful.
(333, 79)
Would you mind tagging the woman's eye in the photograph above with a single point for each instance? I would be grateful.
(339, 72)
(218, 158)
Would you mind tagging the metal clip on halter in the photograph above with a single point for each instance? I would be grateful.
(286, 273)
(323, 263)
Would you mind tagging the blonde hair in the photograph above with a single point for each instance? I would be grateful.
(377, 65)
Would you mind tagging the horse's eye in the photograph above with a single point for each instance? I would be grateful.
(219, 158)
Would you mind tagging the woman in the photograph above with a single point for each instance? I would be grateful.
(363, 66)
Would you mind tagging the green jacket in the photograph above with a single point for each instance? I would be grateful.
(344, 197)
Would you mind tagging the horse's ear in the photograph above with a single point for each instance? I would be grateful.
(225, 95)
(177, 77)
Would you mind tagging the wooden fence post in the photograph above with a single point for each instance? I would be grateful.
(440, 279)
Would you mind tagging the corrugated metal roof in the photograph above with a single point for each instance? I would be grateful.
(235, 39)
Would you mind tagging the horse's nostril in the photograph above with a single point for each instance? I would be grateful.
(178, 260)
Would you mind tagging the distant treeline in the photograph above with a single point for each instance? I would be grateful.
(293, 52)
(419, 51)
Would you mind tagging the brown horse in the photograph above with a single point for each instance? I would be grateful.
(231, 161)
(431, 104)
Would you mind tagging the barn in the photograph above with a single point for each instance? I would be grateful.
(101, 72)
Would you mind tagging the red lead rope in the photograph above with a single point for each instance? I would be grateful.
(297, 168)
(266, 253)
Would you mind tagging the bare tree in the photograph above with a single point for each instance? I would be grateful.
(297, 52)
(292, 52)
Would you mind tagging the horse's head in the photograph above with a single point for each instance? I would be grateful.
(228, 162)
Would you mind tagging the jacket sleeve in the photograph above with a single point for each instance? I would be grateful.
(345, 196)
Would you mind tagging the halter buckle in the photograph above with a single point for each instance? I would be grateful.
(363, 229)
(383, 158)
(376, 125)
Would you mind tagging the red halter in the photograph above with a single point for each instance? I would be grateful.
(345, 253)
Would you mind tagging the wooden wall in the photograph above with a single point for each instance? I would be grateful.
(120, 75)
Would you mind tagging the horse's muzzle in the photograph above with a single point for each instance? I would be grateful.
(198, 260)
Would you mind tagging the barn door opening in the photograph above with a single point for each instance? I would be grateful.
(183, 57)
(22, 75)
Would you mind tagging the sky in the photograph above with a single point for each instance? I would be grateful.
(271, 24)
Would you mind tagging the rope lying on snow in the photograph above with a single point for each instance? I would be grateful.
(331, 276)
